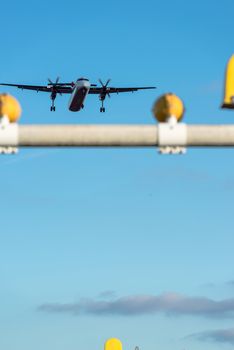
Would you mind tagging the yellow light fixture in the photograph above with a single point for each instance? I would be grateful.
(168, 106)
(228, 101)
(113, 344)
(10, 108)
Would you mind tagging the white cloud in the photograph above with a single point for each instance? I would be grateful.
(107, 294)
(218, 335)
(167, 303)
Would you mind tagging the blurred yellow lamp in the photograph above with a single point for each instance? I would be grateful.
(167, 106)
(10, 108)
(113, 344)
(228, 101)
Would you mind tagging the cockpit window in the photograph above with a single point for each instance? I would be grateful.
(82, 79)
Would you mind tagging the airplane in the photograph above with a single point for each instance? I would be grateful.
(78, 90)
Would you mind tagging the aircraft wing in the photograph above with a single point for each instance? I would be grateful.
(60, 88)
(113, 90)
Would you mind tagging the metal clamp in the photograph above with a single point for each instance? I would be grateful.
(172, 150)
(172, 138)
(9, 136)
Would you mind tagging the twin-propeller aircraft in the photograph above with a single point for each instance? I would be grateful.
(78, 90)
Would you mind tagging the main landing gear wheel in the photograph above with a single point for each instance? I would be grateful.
(102, 109)
(52, 109)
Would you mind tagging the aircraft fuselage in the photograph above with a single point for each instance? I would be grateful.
(79, 93)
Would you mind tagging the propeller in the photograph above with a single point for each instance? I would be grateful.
(55, 84)
(104, 87)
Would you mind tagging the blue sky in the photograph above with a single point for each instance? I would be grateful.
(96, 243)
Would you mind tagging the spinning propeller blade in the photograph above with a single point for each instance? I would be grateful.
(104, 85)
(54, 85)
